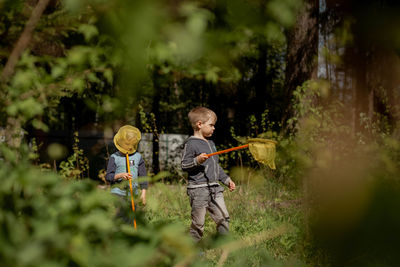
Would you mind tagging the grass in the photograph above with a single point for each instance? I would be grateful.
(266, 222)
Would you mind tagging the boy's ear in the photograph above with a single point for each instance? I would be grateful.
(198, 124)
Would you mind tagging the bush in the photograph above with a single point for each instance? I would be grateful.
(50, 221)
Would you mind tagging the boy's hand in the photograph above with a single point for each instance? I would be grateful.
(123, 175)
(201, 158)
(232, 186)
(143, 197)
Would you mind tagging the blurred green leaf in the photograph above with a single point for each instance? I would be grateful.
(38, 124)
(77, 55)
(274, 33)
(108, 74)
(57, 71)
(24, 79)
(78, 84)
(56, 151)
(98, 220)
(88, 30)
(212, 74)
(142, 255)
(284, 12)
(31, 254)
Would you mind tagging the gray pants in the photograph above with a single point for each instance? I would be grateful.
(211, 199)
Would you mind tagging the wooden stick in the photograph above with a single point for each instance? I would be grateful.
(130, 185)
(227, 150)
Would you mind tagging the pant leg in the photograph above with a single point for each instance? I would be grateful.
(199, 199)
(218, 210)
(124, 210)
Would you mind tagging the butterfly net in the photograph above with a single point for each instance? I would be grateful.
(263, 151)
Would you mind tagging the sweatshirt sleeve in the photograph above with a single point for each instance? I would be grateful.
(141, 173)
(189, 160)
(222, 176)
(111, 168)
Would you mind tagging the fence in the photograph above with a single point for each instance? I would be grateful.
(169, 152)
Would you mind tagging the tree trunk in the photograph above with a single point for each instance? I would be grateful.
(361, 93)
(23, 40)
(13, 131)
(302, 53)
(156, 111)
(259, 101)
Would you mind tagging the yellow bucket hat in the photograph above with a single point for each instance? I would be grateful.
(127, 139)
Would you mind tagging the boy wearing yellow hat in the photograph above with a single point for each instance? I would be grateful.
(126, 140)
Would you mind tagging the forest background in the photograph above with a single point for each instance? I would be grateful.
(320, 77)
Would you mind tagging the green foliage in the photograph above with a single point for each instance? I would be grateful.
(47, 220)
(147, 121)
(284, 11)
(229, 55)
(77, 165)
(289, 159)
(345, 170)
(84, 56)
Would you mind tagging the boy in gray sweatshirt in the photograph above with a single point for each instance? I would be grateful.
(204, 174)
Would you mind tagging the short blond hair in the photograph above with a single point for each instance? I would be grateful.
(202, 114)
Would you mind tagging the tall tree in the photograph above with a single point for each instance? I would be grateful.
(13, 127)
(365, 31)
(302, 51)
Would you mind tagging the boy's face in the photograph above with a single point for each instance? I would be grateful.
(207, 128)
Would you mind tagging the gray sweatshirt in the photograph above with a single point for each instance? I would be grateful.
(209, 172)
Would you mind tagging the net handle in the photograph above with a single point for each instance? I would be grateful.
(227, 150)
(130, 186)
